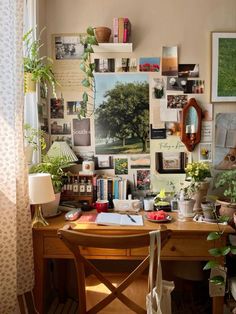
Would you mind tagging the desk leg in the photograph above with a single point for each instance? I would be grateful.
(218, 305)
(39, 271)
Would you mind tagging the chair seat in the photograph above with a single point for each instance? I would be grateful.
(96, 291)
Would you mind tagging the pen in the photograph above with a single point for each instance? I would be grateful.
(132, 219)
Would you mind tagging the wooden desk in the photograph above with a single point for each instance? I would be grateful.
(187, 243)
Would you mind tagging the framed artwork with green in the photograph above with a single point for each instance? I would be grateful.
(223, 79)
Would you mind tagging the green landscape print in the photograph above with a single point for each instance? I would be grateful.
(121, 114)
(227, 67)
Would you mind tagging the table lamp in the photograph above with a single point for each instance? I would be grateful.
(62, 149)
(40, 192)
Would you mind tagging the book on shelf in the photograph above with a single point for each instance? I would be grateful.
(121, 30)
(111, 219)
(115, 30)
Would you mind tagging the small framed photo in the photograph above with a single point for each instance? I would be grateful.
(205, 152)
(171, 162)
(223, 88)
(67, 46)
(103, 162)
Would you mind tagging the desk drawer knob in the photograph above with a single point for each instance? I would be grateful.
(173, 248)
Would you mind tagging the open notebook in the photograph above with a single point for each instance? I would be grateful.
(119, 219)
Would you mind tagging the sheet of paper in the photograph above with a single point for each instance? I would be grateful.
(167, 114)
(206, 132)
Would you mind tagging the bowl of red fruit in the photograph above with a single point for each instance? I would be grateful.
(158, 216)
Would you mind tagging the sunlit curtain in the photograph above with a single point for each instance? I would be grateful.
(16, 262)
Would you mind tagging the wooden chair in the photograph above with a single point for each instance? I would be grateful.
(74, 239)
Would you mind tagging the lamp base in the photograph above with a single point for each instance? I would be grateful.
(38, 217)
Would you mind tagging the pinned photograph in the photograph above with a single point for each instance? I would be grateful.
(73, 107)
(57, 108)
(121, 166)
(176, 101)
(170, 61)
(143, 180)
(149, 64)
(68, 47)
(60, 127)
(176, 84)
(205, 152)
(126, 65)
(64, 138)
(103, 162)
(171, 162)
(137, 162)
(104, 65)
(188, 70)
(159, 87)
(81, 132)
(195, 87)
(122, 114)
(173, 128)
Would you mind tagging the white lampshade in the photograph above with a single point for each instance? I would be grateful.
(61, 149)
(40, 188)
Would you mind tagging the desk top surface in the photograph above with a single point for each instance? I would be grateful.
(176, 226)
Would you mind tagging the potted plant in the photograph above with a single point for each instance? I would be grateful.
(186, 201)
(198, 173)
(161, 202)
(37, 68)
(88, 82)
(227, 180)
(34, 139)
(55, 166)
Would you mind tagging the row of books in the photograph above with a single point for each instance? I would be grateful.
(121, 30)
(111, 188)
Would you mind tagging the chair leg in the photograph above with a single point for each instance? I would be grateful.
(21, 304)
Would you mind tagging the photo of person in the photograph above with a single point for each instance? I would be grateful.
(60, 127)
(57, 108)
(68, 47)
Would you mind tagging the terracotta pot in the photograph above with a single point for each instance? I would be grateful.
(102, 34)
(200, 195)
(226, 208)
(51, 209)
(29, 84)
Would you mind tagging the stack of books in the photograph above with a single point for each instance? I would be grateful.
(121, 30)
(111, 188)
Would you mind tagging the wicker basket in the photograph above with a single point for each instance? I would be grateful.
(102, 34)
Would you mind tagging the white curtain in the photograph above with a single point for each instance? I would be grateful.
(16, 259)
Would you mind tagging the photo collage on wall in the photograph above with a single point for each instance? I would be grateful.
(137, 100)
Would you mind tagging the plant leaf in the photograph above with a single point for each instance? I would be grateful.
(90, 31)
(85, 82)
(210, 265)
(85, 97)
(215, 252)
(213, 236)
(225, 250)
(233, 250)
(217, 280)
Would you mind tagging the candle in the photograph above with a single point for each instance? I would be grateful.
(193, 130)
(188, 129)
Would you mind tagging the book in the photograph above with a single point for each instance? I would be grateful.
(110, 219)
(87, 218)
(127, 30)
(115, 30)
(121, 29)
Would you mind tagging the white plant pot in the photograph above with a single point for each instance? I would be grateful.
(29, 154)
(51, 209)
(186, 208)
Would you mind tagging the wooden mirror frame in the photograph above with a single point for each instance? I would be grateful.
(190, 140)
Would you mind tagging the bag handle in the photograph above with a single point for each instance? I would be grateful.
(155, 237)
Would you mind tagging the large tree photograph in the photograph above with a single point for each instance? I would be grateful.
(121, 114)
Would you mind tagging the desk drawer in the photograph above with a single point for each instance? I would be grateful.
(55, 247)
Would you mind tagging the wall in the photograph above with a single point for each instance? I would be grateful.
(185, 23)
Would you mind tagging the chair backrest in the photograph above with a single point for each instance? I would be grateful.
(74, 239)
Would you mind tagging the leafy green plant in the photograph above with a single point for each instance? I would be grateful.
(55, 166)
(188, 191)
(39, 66)
(34, 137)
(197, 171)
(227, 180)
(220, 251)
(87, 67)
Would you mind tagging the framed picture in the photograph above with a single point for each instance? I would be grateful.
(67, 46)
(168, 162)
(223, 88)
(103, 162)
(205, 152)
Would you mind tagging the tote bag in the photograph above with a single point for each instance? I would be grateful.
(158, 300)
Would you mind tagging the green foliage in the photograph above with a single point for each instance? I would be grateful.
(125, 113)
(227, 180)
(55, 166)
(88, 68)
(34, 137)
(197, 171)
(39, 66)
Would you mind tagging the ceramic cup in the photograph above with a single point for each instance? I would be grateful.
(101, 206)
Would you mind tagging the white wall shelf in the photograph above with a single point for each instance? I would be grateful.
(113, 47)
